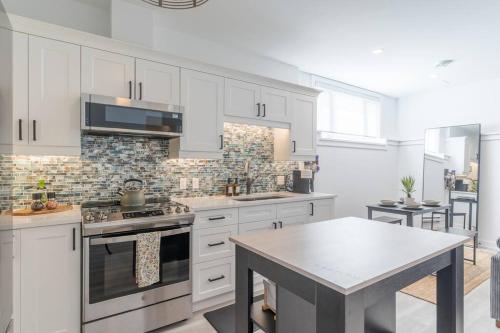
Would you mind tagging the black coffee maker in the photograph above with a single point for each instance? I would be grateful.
(302, 181)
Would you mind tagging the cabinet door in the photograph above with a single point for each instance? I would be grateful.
(304, 126)
(106, 73)
(241, 99)
(276, 104)
(157, 82)
(257, 213)
(293, 220)
(213, 278)
(321, 210)
(50, 279)
(54, 92)
(202, 96)
(213, 243)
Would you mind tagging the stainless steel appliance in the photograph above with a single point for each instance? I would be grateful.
(302, 183)
(112, 301)
(104, 114)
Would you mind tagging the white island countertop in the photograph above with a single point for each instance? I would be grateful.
(348, 254)
(221, 201)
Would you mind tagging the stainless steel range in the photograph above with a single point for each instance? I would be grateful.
(112, 300)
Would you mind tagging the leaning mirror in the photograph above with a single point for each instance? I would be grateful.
(451, 172)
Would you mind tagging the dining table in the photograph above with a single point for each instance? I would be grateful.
(409, 213)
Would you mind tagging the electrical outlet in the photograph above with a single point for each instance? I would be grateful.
(280, 180)
(183, 183)
(301, 165)
(196, 183)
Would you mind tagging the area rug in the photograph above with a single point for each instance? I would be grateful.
(223, 319)
(425, 289)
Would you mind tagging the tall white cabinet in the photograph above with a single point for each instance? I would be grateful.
(202, 96)
(54, 92)
(47, 277)
(303, 128)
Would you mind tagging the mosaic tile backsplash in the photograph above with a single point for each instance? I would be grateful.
(106, 161)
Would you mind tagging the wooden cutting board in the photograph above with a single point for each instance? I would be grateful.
(29, 212)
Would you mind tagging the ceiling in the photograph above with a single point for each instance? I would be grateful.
(335, 38)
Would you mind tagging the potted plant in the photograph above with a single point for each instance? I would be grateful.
(408, 188)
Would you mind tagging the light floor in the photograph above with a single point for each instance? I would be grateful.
(413, 315)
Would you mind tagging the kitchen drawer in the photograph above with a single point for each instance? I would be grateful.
(300, 208)
(292, 220)
(257, 226)
(213, 278)
(257, 213)
(213, 243)
(321, 210)
(216, 218)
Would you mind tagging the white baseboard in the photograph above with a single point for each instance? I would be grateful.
(488, 245)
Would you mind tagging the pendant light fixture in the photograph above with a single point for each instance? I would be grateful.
(176, 4)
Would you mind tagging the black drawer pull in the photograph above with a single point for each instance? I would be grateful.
(312, 208)
(258, 109)
(216, 218)
(140, 90)
(221, 141)
(281, 224)
(130, 89)
(216, 278)
(294, 146)
(20, 130)
(34, 130)
(74, 239)
(216, 244)
(275, 225)
(264, 110)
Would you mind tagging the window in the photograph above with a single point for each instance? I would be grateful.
(347, 115)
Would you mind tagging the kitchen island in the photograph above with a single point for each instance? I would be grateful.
(342, 276)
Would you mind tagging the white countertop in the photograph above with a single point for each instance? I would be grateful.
(348, 254)
(221, 201)
(21, 222)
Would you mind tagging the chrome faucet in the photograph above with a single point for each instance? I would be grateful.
(249, 180)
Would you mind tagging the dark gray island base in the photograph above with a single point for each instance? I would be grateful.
(320, 296)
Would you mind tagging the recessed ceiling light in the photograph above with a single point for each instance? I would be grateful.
(433, 76)
(378, 51)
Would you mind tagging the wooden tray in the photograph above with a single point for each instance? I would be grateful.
(29, 212)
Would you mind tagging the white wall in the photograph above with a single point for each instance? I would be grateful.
(86, 15)
(457, 105)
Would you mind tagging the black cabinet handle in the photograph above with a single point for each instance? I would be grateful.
(264, 110)
(34, 130)
(216, 218)
(258, 109)
(275, 225)
(221, 141)
(294, 146)
(140, 90)
(130, 89)
(216, 278)
(74, 239)
(312, 208)
(20, 129)
(281, 224)
(216, 244)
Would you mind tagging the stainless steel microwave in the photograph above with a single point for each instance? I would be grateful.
(115, 115)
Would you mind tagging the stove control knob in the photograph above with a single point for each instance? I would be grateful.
(169, 210)
(186, 209)
(178, 209)
(89, 217)
(102, 216)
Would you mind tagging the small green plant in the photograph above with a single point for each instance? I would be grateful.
(408, 185)
(41, 184)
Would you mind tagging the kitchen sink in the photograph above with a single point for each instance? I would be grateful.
(261, 197)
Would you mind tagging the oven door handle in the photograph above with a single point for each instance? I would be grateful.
(131, 238)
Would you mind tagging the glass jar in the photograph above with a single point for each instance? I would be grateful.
(51, 200)
(36, 203)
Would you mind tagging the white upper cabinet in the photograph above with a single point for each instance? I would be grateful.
(242, 99)
(202, 96)
(54, 93)
(50, 279)
(108, 74)
(303, 130)
(156, 82)
(276, 104)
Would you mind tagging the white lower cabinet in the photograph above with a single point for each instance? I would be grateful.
(213, 243)
(47, 276)
(321, 210)
(213, 278)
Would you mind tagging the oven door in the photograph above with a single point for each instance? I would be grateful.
(109, 273)
(120, 115)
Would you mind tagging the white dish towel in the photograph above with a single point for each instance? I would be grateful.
(147, 265)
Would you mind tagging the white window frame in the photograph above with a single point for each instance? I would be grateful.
(349, 140)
